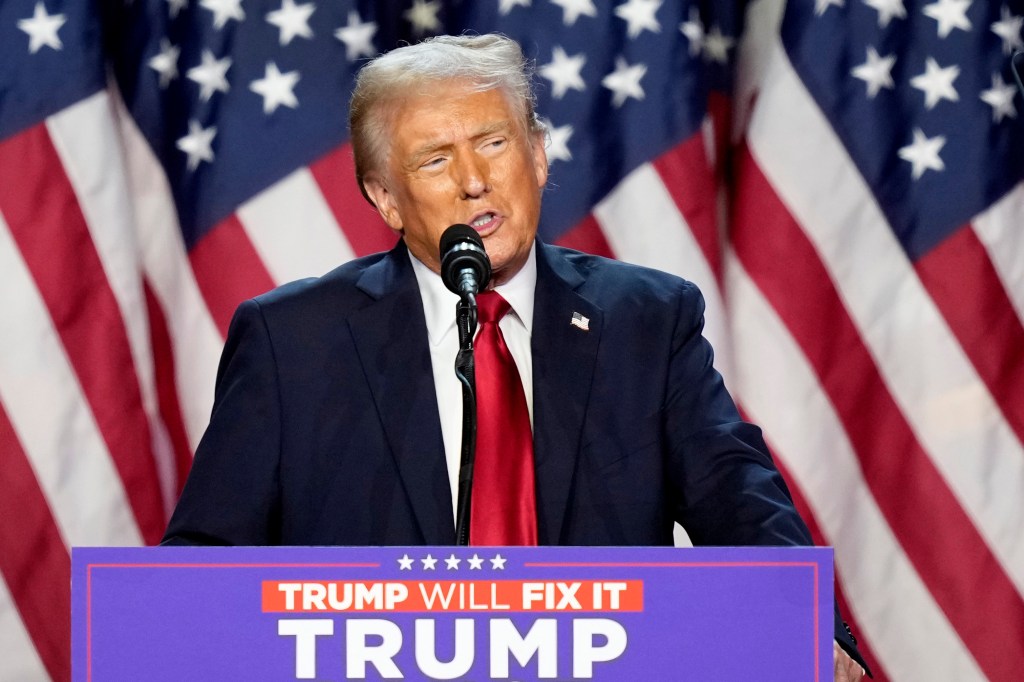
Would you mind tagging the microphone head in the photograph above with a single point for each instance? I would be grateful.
(461, 248)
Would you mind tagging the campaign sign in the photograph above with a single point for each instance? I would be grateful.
(451, 613)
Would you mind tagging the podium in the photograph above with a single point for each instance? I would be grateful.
(462, 613)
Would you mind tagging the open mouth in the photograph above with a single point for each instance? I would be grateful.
(483, 221)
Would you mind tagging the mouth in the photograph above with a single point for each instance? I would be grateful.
(485, 222)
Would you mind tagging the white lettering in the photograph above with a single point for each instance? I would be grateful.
(540, 640)
(359, 652)
(426, 649)
(289, 590)
(614, 590)
(436, 593)
(313, 594)
(568, 599)
(585, 654)
(305, 631)
(533, 592)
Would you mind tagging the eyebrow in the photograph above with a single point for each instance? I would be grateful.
(489, 129)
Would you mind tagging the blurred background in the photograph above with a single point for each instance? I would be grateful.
(842, 178)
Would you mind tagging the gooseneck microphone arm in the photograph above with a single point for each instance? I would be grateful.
(465, 320)
(465, 270)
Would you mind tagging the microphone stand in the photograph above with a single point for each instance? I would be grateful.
(465, 320)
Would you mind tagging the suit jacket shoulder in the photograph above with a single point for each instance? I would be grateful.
(325, 426)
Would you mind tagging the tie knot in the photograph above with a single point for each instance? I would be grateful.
(491, 307)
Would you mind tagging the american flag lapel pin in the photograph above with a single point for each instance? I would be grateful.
(580, 321)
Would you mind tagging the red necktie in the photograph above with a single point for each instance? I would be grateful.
(504, 508)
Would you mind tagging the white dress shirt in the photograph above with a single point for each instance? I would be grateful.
(516, 327)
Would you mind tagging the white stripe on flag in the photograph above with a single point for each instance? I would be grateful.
(900, 619)
(52, 418)
(945, 402)
(643, 225)
(81, 134)
(763, 17)
(196, 340)
(293, 230)
(1000, 231)
(21, 662)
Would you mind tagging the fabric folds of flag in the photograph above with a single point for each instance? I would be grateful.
(842, 179)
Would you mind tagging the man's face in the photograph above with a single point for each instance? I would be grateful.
(459, 156)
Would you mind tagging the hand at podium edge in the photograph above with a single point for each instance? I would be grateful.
(846, 669)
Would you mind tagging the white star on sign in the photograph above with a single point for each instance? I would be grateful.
(165, 62)
(558, 141)
(292, 20)
(210, 75)
(276, 88)
(498, 563)
(423, 16)
(1008, 28)
(936, 83)
(573, 9)
(876, 72)
(429, 563)
(452, 562)
(475, 562)
(223, 10)
(42, 29)
(405, 563)
(923, 153)
(358, 37)
(624, 81)
(564, 72)
(950, 14)
(717, 46)
(197, 144)
(821, 6)
(887, 9)
(1000, 98)
(506, 6)
(175, 6)
(693, 29)
(639, 15)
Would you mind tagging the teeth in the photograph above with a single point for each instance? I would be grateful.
(484, 219)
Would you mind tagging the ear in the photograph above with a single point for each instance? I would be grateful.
(540, 159)
(382, 198)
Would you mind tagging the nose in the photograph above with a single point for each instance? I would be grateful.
(473, 174)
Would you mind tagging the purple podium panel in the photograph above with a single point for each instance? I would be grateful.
(452, 613)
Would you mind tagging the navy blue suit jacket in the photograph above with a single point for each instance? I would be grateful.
(325, 427)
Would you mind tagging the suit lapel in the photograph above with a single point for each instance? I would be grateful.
(391, 340)
(564, 356)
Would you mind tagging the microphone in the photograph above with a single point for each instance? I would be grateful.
(465, 270)
(465, 267)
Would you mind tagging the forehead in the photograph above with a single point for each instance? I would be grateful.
(446, 113)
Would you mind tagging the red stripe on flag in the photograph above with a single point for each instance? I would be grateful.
(818, 537)
(938, 537)
(965, 286)
(587, 237)
(33, 559)
(720, 111)
(47, 224)
(228, 270)
(167, 388)
(688, 176)
(364, 229)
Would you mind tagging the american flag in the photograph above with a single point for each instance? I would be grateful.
(842, 178)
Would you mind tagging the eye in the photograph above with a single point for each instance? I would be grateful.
(495, 143)
(433, 162)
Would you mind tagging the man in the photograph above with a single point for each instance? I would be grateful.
(326, 428)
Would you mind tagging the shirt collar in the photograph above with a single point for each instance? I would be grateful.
(439, 302)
